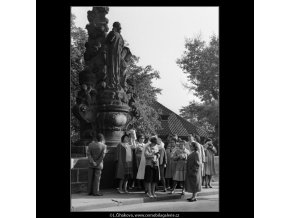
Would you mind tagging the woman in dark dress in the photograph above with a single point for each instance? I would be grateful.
(193, 173)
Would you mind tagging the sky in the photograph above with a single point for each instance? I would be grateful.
(157, 35)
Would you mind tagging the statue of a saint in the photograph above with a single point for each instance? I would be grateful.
(126, 56)
(115, 45)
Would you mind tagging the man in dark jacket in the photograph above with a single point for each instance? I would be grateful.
(96, 153)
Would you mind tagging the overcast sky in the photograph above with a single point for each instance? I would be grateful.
(157, 35)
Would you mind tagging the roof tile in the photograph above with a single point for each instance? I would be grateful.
(176, 124)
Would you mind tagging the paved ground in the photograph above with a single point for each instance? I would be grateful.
(207, 204)
(136, 201)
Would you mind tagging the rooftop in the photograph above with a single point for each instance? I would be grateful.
(172, 123)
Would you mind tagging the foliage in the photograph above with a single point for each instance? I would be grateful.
(204, 115)
(200, 62)
(141, 78)
(77, 47)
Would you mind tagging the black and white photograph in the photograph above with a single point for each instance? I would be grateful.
(144, 100)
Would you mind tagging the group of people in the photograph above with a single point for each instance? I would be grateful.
(188, 163)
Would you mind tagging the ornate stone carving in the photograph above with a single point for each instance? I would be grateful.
(115, 45)
(106, 101)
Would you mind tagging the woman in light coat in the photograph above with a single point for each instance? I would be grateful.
(123, 159)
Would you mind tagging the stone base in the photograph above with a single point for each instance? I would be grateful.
(78, 151)
(78, 187)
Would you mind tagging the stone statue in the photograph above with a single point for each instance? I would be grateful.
(115, 45)
(126, 56)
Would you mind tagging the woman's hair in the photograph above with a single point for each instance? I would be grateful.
(197, 138)
(139, 136)
(100, 137)
(207, 140)
(194, 146)
(153, 140)
(123, 137)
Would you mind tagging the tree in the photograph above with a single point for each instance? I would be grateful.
(77, 48)
(205, 115)
(200, 62)
(141, 79)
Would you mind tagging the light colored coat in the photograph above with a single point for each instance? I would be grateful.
(142, 165)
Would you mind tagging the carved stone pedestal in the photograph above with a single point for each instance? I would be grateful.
(102, 104)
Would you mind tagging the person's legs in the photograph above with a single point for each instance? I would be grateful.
(121, 185)
(90, 180)
(193, 197)
(206, 181)
(167, 183)
(98, 174)
(203, 181)
(129, 182)
(153, 188)
(174, 186)
(145, 184)
(209, 181)
(181, 184)
(182, 191)
(164, 184)
(138, 183)
(125, 184)
(149, 193)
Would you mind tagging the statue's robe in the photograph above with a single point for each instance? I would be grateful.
(115, 45)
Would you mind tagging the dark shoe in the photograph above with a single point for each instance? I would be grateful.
(164, 190)
(192, 199)
(206, 186)
(182, 193)
(126, 192)
(210, 186)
